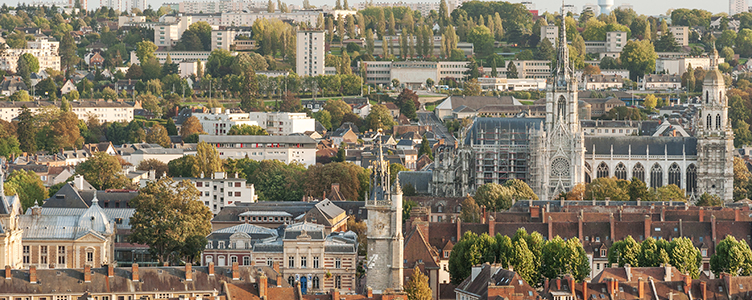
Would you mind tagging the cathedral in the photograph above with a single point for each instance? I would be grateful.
(554, 154)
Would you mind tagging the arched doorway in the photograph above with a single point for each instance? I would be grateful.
(303, 284)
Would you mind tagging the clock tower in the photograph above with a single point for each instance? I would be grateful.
(385, 241)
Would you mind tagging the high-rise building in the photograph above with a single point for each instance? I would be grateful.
(737, 6)
(114, 4)
(310, 53)
(137, 4)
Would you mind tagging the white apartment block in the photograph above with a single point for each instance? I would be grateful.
(424, 8)
(379, 50)
(239, 18)
(209, 7)
(137, 4)
(283, 123)
(413, 74)
(512, 84)
(551, 33)
(45, 50)
(219, 190)
(529, 5)
(593, 7)
(309, 54)
(677, 66)
(177, 56)
(737, 6)
(104, 111)
(218, 122)
(129, 19)
(569, 8)
(287, 149)
(223, 38)
(681, 34)
(529, 69)
(114, 4)
(615, 41)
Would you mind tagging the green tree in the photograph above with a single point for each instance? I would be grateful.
(523, 261)
(626, 251)
(208, 160)
(379, 118)
(67, 51)
(709, 200)
(247, 130)
(667, 42)
(494, 196)
(685, 256)
(470, 250)
(158, 135)
(651, 100)
(20, 96)
(559, 257)
(545, 50)
(470, 211)
(733, 257)
(152, 164)
(324, 117)
(145, 51)
(168, 213)
(653, 253)
(172, 129)
(28, 186)
(482, 39)
(512, 70)
(23, 70)
(472, 88)
(352, 182)
(520, 190)
(639, 58)
(186, 166)
(604, 187)
(27, 131)
(425, 148)
(103, 171)
(742, 178)
(31, 61)
(417, 287)
(190, 126)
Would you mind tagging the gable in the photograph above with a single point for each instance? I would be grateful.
(91, 237)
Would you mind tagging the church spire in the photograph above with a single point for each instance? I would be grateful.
(562, 66)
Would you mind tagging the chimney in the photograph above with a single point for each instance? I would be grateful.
(550, 229)
(545, 285)
(610, 287)
(335, 294)
(33, 274)
(736, 214)
(484, 212)
(667, 272)
(726, 280)
(279, 280)
(687, 282)
(275, 266)
(558, 284)
(235, 271)
(579, 227)
(211, 268)
(492, 226)
(475, 271)
(111, 270)
(663, 214)
(647, 225)
(188, 272)
(262, 286)
(702, 217)
(87, 273)
(369, 292)
(712, 227)
(584, 290)
(628, 271)
(8, 274)
(704, 290)
(570, 279)
(641, 289)
(459, 230)
(611, 225)
(134, 272)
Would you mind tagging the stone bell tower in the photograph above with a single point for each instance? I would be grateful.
(385, 241)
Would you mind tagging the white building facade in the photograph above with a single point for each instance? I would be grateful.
(309, 53)
(287, 149)
(44, 49)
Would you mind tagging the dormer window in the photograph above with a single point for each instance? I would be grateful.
(440, 208)
(221, 245)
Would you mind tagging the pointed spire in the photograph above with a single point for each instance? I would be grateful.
(95, 201)
(714, 57)
(563, 72)
(397, 187)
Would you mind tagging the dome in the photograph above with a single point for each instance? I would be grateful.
(713, 77)
(94, 218)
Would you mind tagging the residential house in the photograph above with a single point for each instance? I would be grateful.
(661, 82)
(220, 190)
(602, 82)
(96, 60)
(12, 84)
(488, 282)
(233, 244)
(343, 135)
(272, 214)
(68, 87)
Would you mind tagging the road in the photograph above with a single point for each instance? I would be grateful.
(429, 118)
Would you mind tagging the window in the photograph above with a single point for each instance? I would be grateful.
(291, 280)
(674, 175)
(89, 256)
(656, 176)
(603, 252)
(291, 262)
(26, 257)
(639, 172)
(61, 255)
(233, 259)
(338, 282)
(237, 194)
(620, 171)
(692, 180)
(602, 170)
(304, 262)
(704, 252)
(338, 263)
(246, 260)
(315, 283)
(43, 255)
(237, 184)
(269, 262)
(717, 121)
(315, 262)
(221, 245)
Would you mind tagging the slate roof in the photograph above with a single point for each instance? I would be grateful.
(290, 139)
(419, 180)
(508, 124)
(639, 145)
(121, 216)
(496, 277)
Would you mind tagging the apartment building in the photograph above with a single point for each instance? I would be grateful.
(126, 20)
(424, 8)
(209, 7)
(240, 18)
(224, 37)
(660, 82)
(615, 41)
(737, 6)
(103, 110)
(177, 56)
(551, 33)
(512, 84)
(411, 74)
(602, 82)
(530, 69)
(45, 49)
(287, 149)
(218, 122)
(283, 123)
(679, 65)
(309, 53)
(681, 34)
(221, 190)
(378, 49)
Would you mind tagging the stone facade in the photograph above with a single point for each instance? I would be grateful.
(385, 240)
(10, 230)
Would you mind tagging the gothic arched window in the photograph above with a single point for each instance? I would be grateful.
(562, 107)
(602, 170)
(315, 283)
(639, 172)
(588, 170)
(620, 171)
(710, 122)
(656, 176)
(291, 280)
(691, 179)
(707, 97)
(674, 175)
(718, 121)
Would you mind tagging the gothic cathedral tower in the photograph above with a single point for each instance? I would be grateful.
(385, 241)
(715, 144)
(564, 158)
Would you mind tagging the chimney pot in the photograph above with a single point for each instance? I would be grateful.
(211, 268)
(262, 286)
(369, 292)
(87, 273)
(8, 274)
(110, 270)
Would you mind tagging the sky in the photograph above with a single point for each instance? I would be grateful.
(646, 7)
